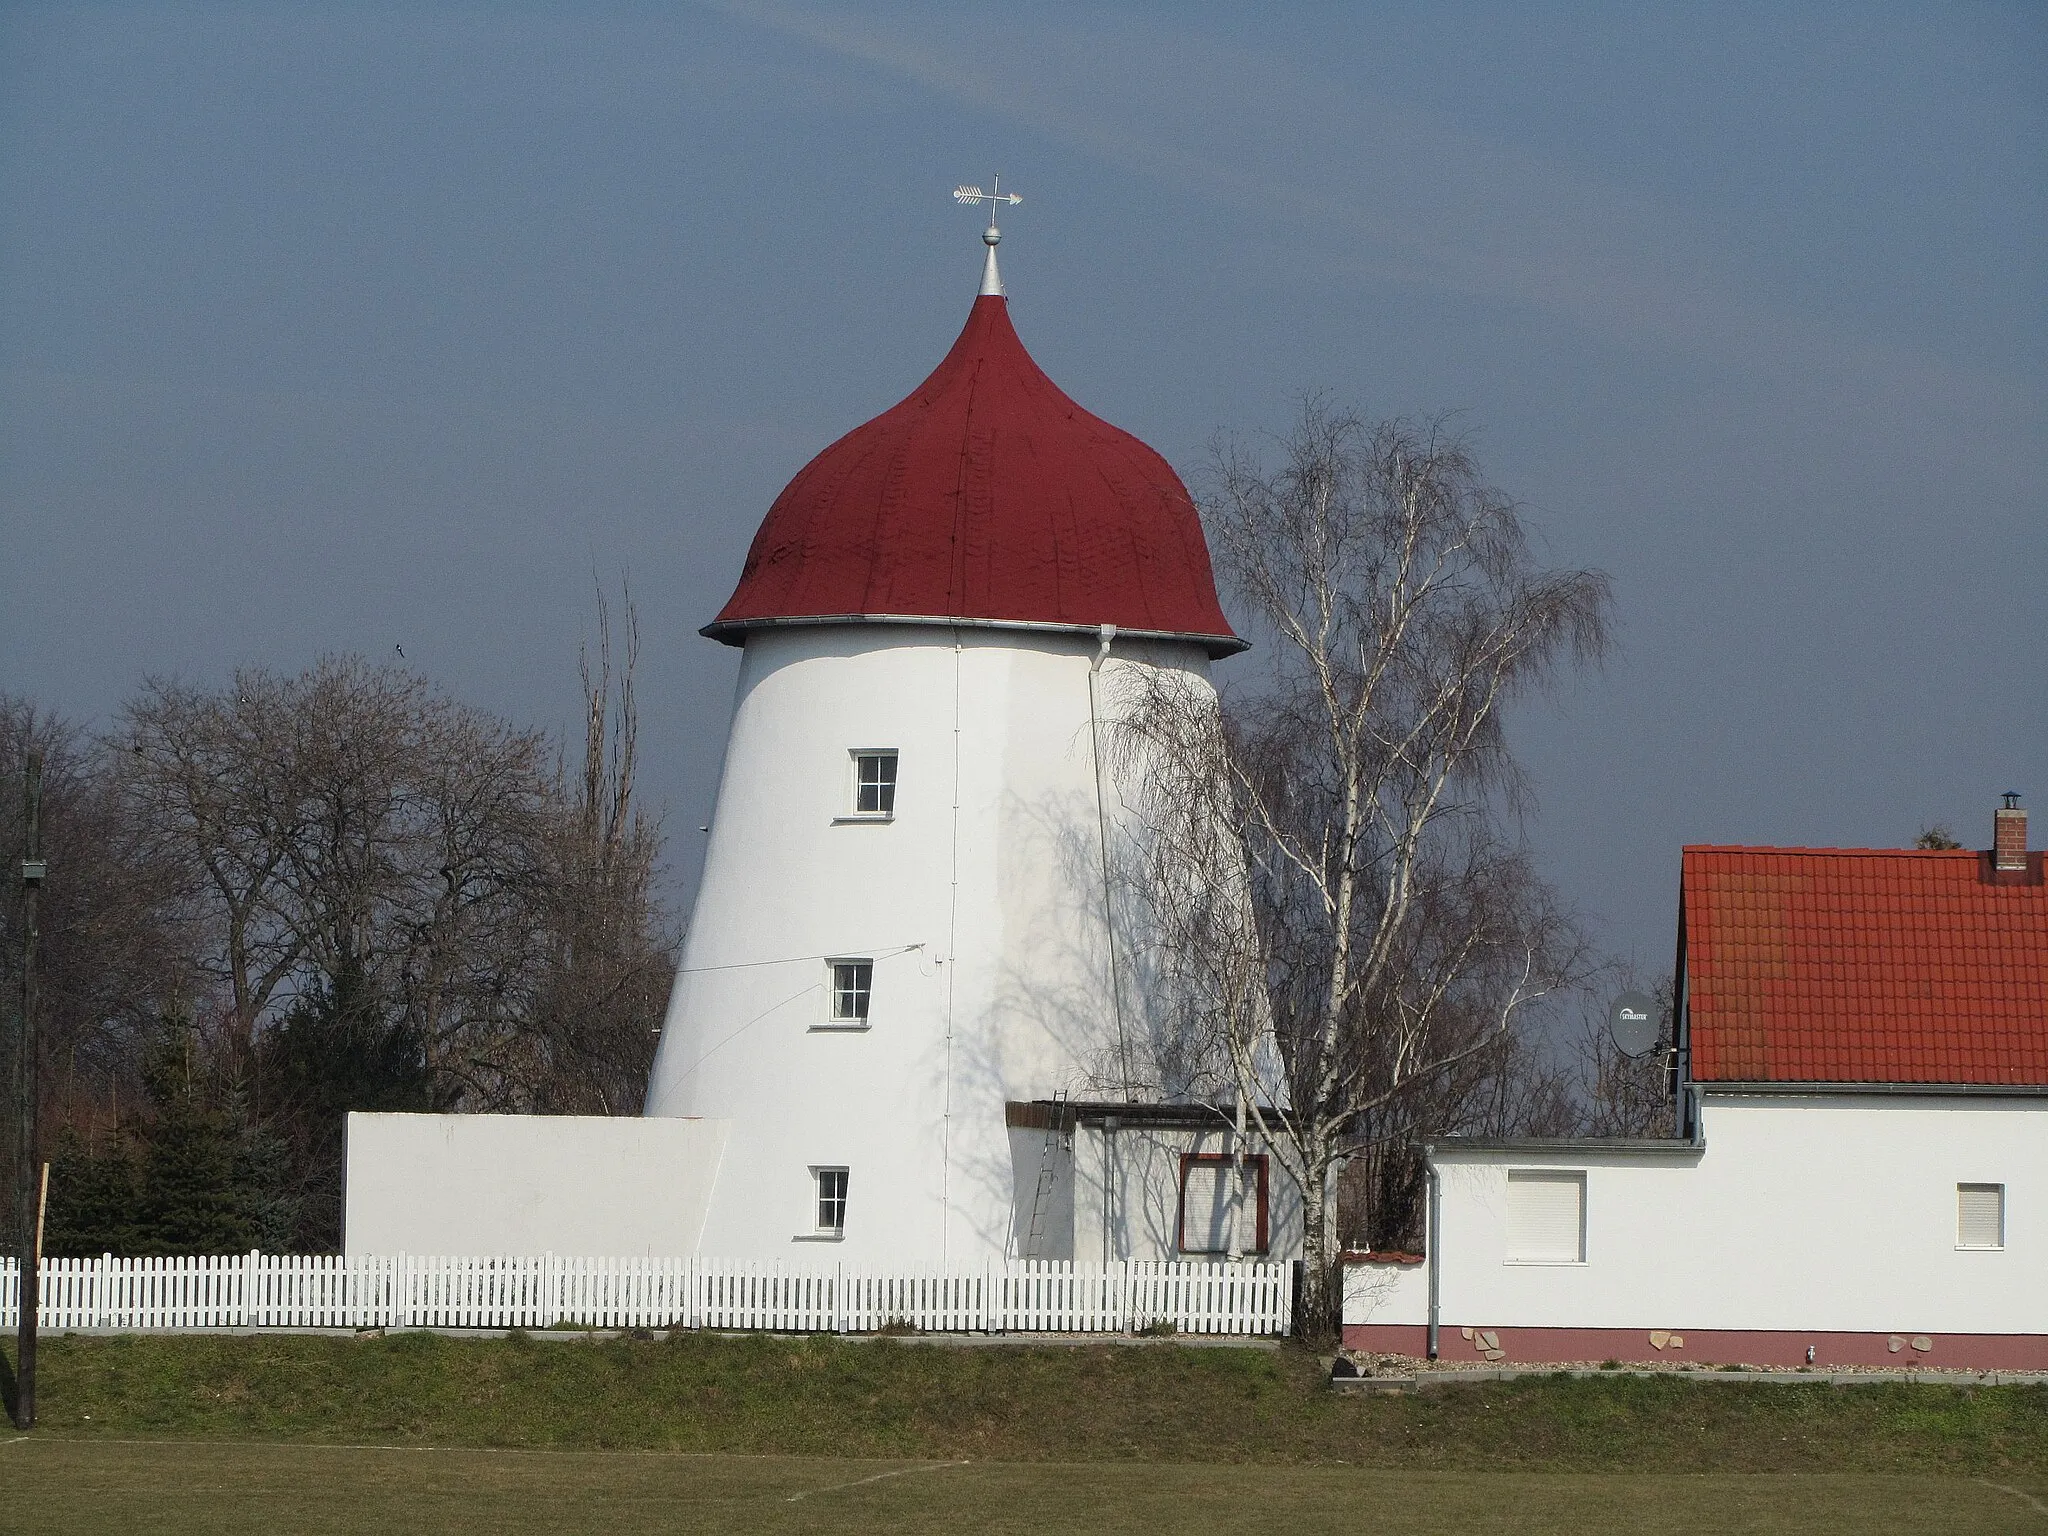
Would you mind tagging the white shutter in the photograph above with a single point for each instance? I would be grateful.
(1205, 1208)
(1546, 1216)
(1980, 1215)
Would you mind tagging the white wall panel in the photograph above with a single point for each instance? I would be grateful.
(525, 1184)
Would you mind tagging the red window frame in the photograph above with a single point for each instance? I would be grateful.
(1180, 1218)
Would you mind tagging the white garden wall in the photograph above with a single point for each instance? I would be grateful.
(528, 1184)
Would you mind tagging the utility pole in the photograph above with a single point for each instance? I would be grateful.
(25, 1202)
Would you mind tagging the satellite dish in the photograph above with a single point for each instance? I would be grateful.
(1632, 1021)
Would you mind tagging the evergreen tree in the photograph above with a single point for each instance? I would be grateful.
(195, 1175)
(95, 1205)
(204, 1188)
(336, 1050)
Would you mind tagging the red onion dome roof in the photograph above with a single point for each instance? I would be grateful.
(986, 497)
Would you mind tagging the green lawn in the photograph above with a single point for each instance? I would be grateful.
(1165, 1402)
(58, 1485)
(288, 1433)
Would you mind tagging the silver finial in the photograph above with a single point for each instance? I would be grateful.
(991, 279)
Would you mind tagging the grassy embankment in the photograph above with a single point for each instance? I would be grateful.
(885, 1399)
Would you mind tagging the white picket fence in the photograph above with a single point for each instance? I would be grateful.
(258, 1290)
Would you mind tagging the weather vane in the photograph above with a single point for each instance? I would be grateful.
(991, 279)
(969, 196)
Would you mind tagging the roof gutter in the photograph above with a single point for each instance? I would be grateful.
(1633, 1146)
(1908, 1090)
(735, 631)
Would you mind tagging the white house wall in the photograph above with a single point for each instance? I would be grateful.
(527, 1184)
(991, 969)
(1126, 1200)
(1828, 1221)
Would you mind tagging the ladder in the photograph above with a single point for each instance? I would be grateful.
(1048, 1171)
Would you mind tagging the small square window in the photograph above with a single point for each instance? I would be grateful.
(874, 783)
(1546, 1216)
(852, 982)
(1980, 1215)
(831, 1184)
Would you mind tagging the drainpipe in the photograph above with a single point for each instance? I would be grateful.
(1436, 1221)
(1239, 1246)
(1110, 1189)
(1106, 635)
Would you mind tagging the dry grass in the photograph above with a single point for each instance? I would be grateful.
(57, 1485)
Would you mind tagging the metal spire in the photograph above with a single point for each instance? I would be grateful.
(991, 279)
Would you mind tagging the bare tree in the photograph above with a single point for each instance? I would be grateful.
(613, 950)
(1623, 1095)
(211, 787)
(112, 927)
(1388, 932)
(352, 826)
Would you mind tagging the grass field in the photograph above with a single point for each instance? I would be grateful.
(72, 1485)
(289, 1433)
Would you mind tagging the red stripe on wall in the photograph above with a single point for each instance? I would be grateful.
(1711, 1346)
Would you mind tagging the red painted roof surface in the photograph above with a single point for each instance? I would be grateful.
(1864, 965)
(987, 495)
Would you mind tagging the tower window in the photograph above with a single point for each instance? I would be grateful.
(831, 1199)
(874, 783)
(852, 982)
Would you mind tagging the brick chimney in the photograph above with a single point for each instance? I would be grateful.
(2009, 835)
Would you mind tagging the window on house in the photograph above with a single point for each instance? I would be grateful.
(1546, 1216)
(1207, 1183)
(831, 1199)
(1980, 1215)
(874, 783)
(852, 981)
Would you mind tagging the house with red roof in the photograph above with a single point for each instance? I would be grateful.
(1858, 1167)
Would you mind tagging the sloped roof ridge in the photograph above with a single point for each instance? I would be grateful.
(1916, 853)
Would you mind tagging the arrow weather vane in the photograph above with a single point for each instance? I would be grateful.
(991, 279)
(969, 196)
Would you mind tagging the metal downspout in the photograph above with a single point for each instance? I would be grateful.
(952, 973)
(1436, 1217)
(1106, 635)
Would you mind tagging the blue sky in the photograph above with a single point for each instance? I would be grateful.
(343, 327)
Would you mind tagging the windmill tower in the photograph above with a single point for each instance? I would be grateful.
(904, 923)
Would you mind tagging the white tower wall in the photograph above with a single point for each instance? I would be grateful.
(981, 903)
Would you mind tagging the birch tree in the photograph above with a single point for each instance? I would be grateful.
(1386, 930)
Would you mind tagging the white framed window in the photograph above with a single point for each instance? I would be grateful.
(850, 984)
(1980, 1215)
(874, 784)
(831, 1191)
(1546, 1216)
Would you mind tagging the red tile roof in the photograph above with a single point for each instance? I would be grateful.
(1864, 965)
(986, 495)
